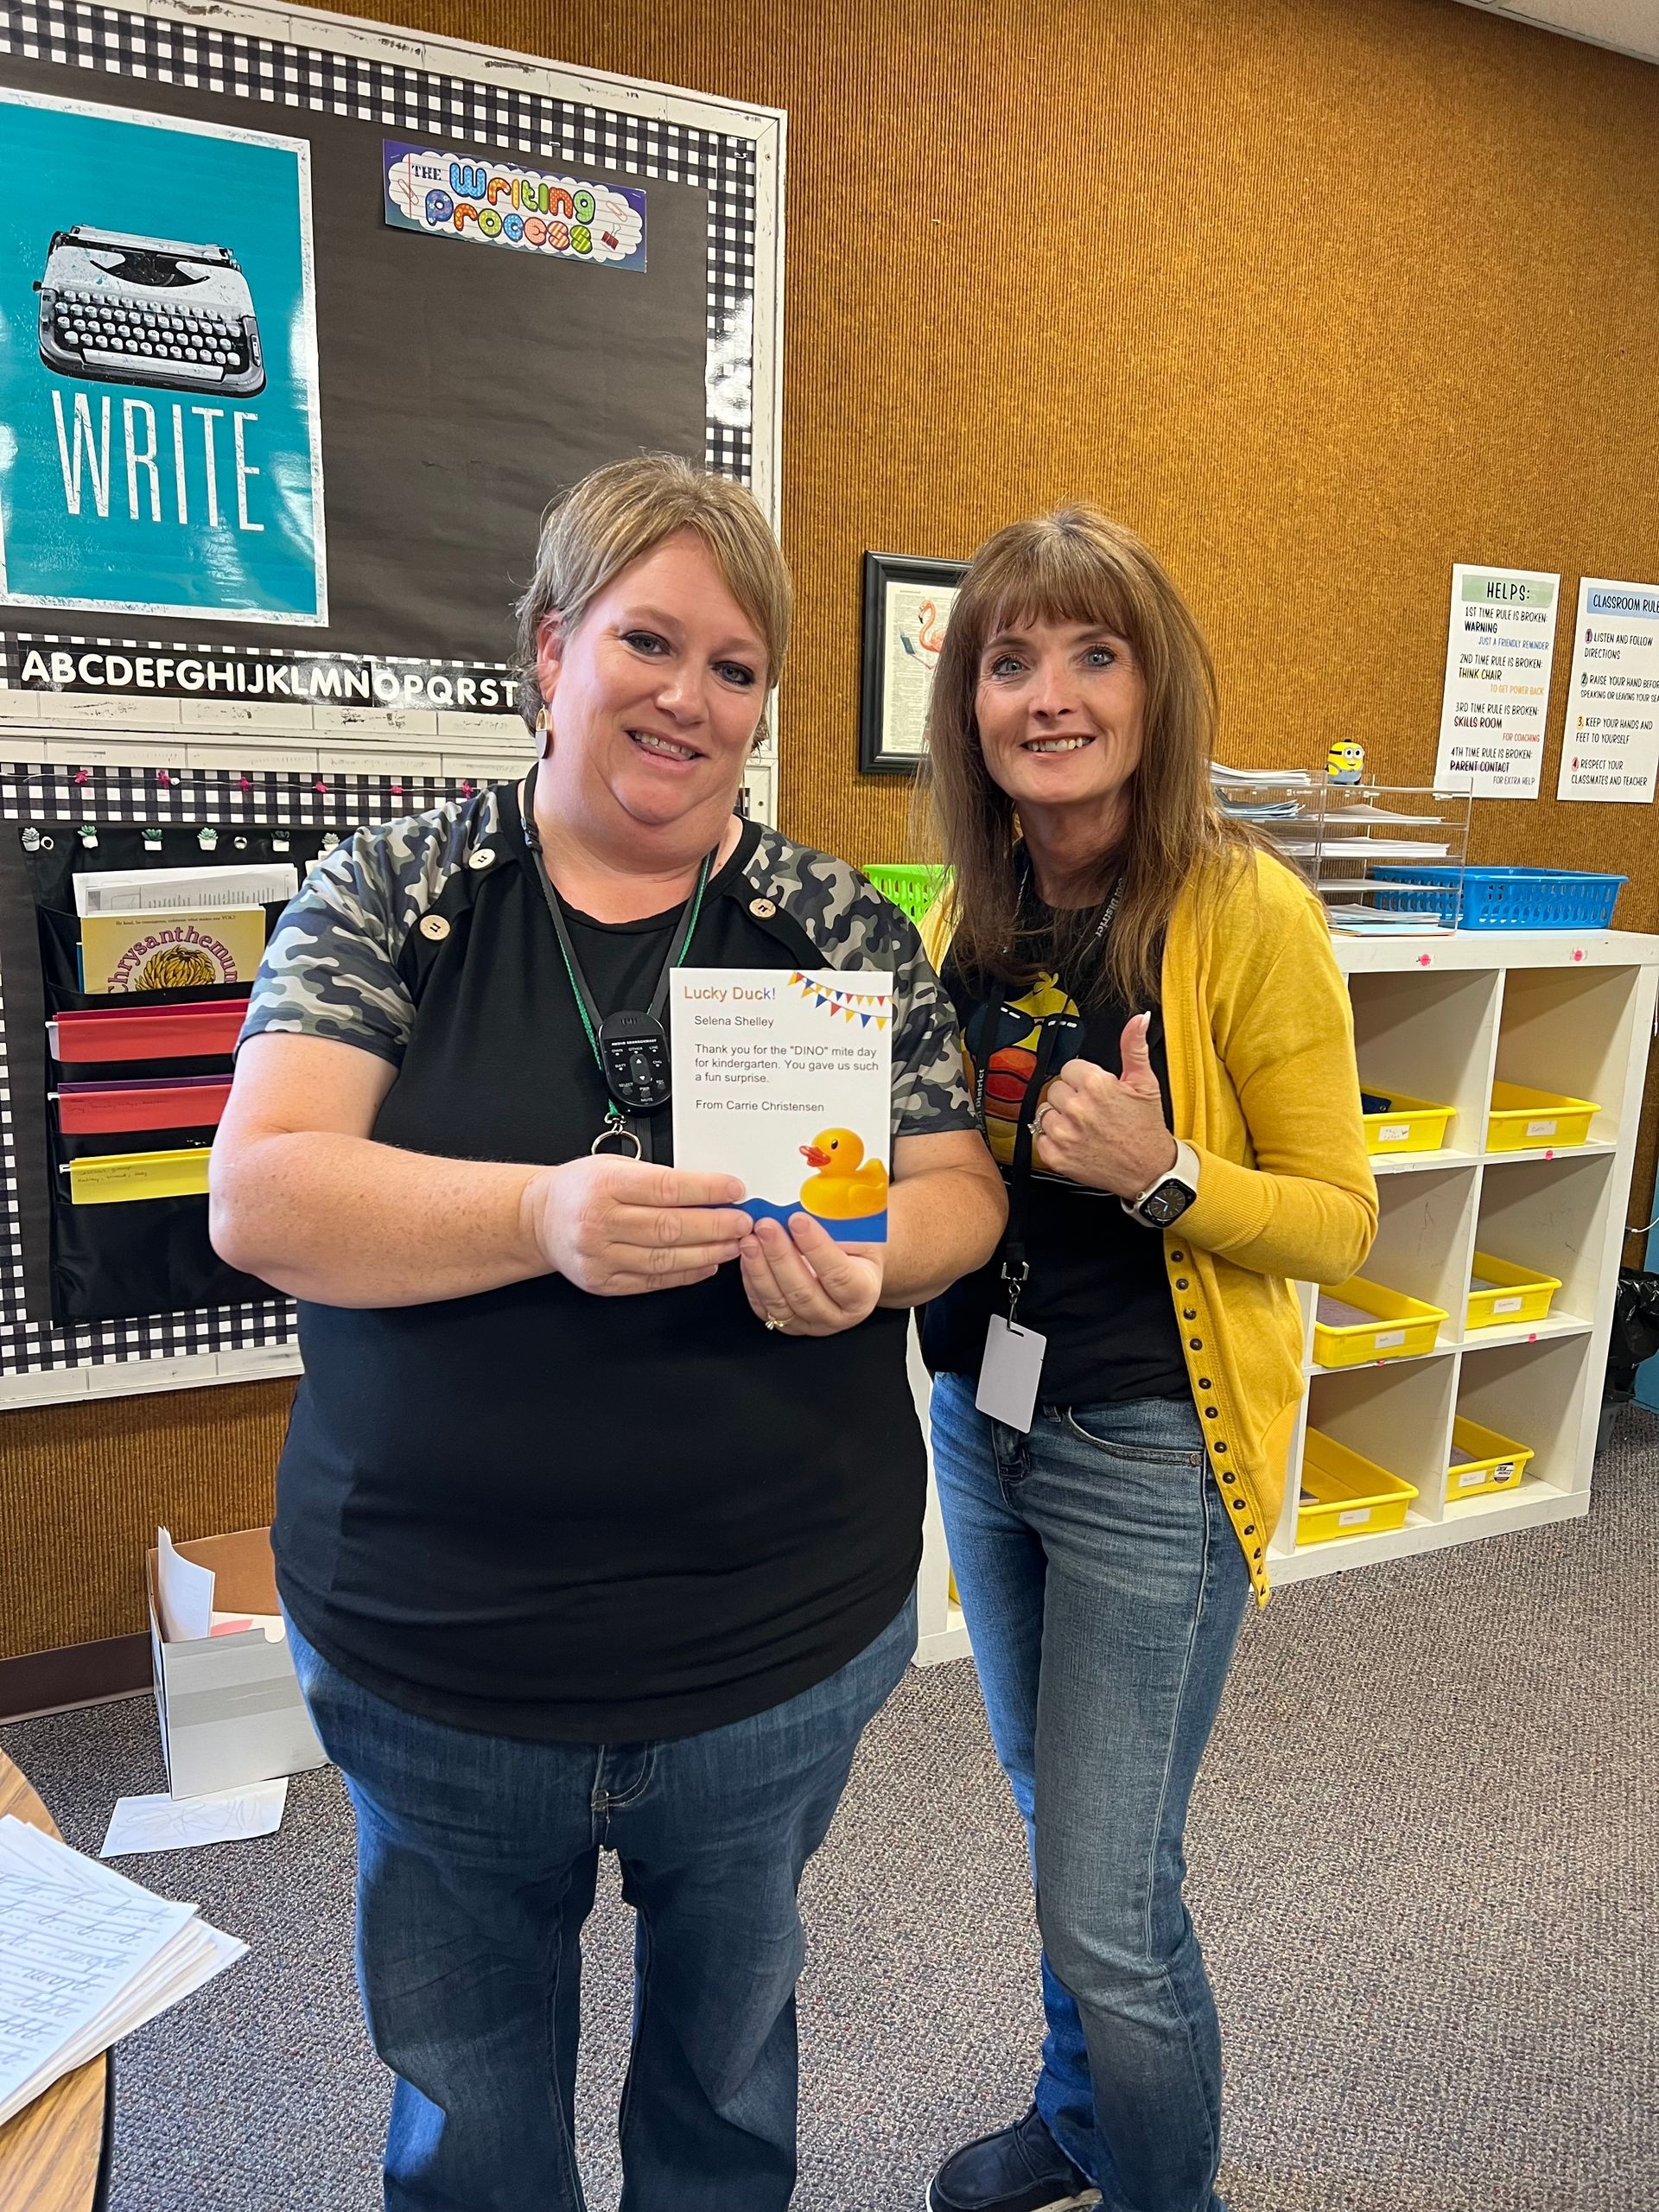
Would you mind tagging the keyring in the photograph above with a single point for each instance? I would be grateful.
(619, 1134)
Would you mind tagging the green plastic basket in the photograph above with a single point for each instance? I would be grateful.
(913, 887)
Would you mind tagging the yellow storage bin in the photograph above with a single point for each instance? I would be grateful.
(1482, 1460)
(1500, 1294)
(1522, 1120)
(1343, 1494)
(1355, 1322)
(1402, 1123)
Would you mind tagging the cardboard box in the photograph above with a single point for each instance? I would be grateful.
(230, 1706)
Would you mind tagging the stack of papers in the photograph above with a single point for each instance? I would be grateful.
(1369, 813)
(1376, 921)
(1285, 779)
(1270, 809)
(1365, 849)
(85, 1956)
(185, 890)
(1248, 794)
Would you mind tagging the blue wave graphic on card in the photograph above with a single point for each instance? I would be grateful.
(868, 1229)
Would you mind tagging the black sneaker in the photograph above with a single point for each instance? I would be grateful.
(1019, 2169)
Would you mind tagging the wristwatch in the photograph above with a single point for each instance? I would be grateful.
(1170, 1195)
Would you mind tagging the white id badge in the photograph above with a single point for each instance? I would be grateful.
(1009, 1373)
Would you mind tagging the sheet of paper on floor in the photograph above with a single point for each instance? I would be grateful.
(164, 1823)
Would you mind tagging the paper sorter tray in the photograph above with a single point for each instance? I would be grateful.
(190, 1102)
(119, 1177)
(198, 1029)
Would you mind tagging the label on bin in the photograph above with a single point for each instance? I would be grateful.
(1469, 1476)
(1502, 1470)
(1393, 1133)
(1507, 1304)
(1386, 1337)
(1354, 1518)
(1542, 1128)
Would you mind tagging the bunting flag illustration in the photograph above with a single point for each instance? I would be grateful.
(863, 1007)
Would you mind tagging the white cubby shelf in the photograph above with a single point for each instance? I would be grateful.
(1443, 1018)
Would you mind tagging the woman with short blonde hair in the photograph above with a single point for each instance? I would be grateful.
(1160, 1051)
(598, 1519)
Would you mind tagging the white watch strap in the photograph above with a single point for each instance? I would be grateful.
(1185, 1170)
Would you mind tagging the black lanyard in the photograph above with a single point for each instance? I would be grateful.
(630, 1048)
(1016, 1267)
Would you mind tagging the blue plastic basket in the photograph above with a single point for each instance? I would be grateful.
(1503, 898)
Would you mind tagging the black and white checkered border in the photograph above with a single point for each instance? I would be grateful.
(166, 796)
(422, 102)
(14, 644)
(31, 791)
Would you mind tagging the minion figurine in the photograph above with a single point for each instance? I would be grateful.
(1345, 762)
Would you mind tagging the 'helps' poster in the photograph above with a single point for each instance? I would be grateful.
(1500, 644)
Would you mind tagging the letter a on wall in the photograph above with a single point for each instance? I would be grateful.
(160, 444)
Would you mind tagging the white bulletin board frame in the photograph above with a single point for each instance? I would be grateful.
(132, 759)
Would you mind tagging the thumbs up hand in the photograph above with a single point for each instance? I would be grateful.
(1107, 1131)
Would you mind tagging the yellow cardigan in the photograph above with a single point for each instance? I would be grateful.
(1259, 1033)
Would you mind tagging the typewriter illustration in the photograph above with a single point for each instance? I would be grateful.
(136, 310)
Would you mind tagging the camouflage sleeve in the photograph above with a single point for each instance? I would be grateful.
(852, 926)
(331, 967)
(929, 1094)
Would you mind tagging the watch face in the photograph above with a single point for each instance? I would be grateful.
(1167, 1203)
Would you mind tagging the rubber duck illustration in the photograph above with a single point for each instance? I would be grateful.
(846, 1186)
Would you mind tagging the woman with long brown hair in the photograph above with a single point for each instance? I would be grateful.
(1160, 1048)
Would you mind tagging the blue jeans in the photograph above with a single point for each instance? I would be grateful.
(477, 1859)
(1103, 1590)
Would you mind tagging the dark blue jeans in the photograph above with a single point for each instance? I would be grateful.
(477, 1859)
(1103, 1590)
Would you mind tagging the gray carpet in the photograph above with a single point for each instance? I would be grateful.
(1423, 1864)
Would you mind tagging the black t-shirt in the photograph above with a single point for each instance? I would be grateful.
(536, 1511)
(1097, 1288)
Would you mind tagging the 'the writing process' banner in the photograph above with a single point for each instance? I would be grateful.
(497, 203)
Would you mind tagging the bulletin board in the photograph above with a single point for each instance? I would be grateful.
(305, 325)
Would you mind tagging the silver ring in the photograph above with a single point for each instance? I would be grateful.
(1037, 1120)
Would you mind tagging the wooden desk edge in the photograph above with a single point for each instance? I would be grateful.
(50, 2152)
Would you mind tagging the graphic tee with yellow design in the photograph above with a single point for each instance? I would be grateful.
(1097, 1288)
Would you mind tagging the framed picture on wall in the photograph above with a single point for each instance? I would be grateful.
(907, 604)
